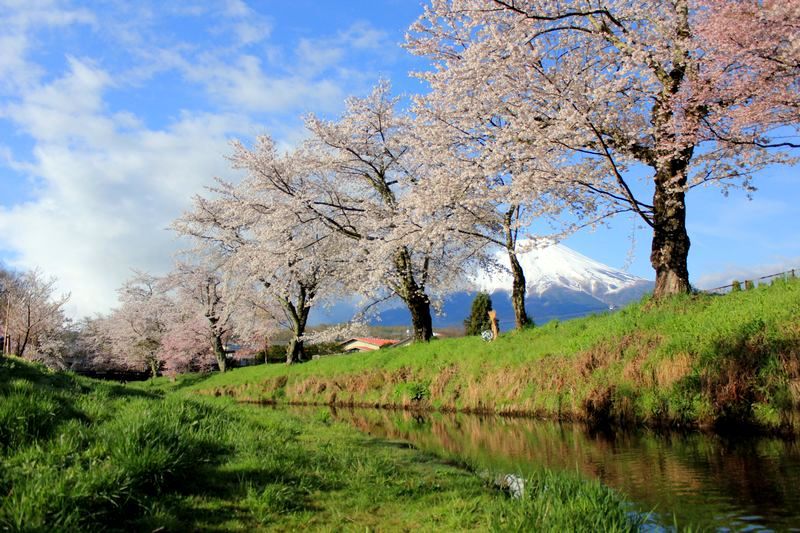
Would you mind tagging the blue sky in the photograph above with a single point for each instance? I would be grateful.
(113, 114)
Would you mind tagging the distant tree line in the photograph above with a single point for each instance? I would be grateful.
(32, 320)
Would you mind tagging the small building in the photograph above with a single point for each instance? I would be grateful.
(243, 355)
(231, 348)
(366, 344)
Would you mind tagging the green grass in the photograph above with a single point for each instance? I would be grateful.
(689, 361)
(79, 454)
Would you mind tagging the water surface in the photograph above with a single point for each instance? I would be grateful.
(732, 482)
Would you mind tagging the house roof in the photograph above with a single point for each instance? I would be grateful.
(372, 340)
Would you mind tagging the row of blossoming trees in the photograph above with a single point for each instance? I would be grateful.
(542, 117)
(32, 320)
(156, 327)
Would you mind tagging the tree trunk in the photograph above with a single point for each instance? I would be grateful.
(21, 346)
(420, 307)
(219, 353)
(154, 367)
(670, 249)
(6, 337)
(295, 351)
(518, 292)
(413, 295)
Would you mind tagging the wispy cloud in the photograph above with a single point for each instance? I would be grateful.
(362, 35)
(109, 186)
(19, 22)
(245, 85)
(311, 76)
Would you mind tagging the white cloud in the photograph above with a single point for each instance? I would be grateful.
(311, 77)
(105, 182)
(13, 69)
(245, 85)
(237, 8)
(244, 23)
(314, 57)
(364, 36)
(108, 190)
(248, 32)
(50, 111)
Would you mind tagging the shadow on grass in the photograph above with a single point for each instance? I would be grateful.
(166, 385)
(190, 380)
(35, 402)
(247, 495)
(13, 369)
(400, 444)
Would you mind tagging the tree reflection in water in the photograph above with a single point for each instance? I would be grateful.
(705, 480)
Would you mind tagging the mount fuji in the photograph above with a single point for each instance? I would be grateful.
(557, 268)
(560, 284)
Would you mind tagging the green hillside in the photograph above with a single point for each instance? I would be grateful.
(698, 360)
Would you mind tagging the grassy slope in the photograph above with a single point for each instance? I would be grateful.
(690, 361)
(79, 454)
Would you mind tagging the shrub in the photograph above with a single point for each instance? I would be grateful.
(478, 319)
(415, 391)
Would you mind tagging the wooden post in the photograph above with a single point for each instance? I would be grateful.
(493, 321)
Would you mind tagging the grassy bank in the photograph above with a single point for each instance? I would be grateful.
(690, 361)
(78, 454)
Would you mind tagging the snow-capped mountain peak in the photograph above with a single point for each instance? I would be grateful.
(561, 283)
(557, 266)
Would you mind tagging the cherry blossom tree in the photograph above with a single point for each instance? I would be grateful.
(33, 312)
(279, 262)
(335, 216)
(203, 295)
(364, 176)
(485, 196)
(752, 72)
(135, 330)
(295, 288)
(608, 91)
(185, 347)
(90, 347)
(257, 321)
(367, 177)
(7, 283)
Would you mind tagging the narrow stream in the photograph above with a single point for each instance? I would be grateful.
(710, 481)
